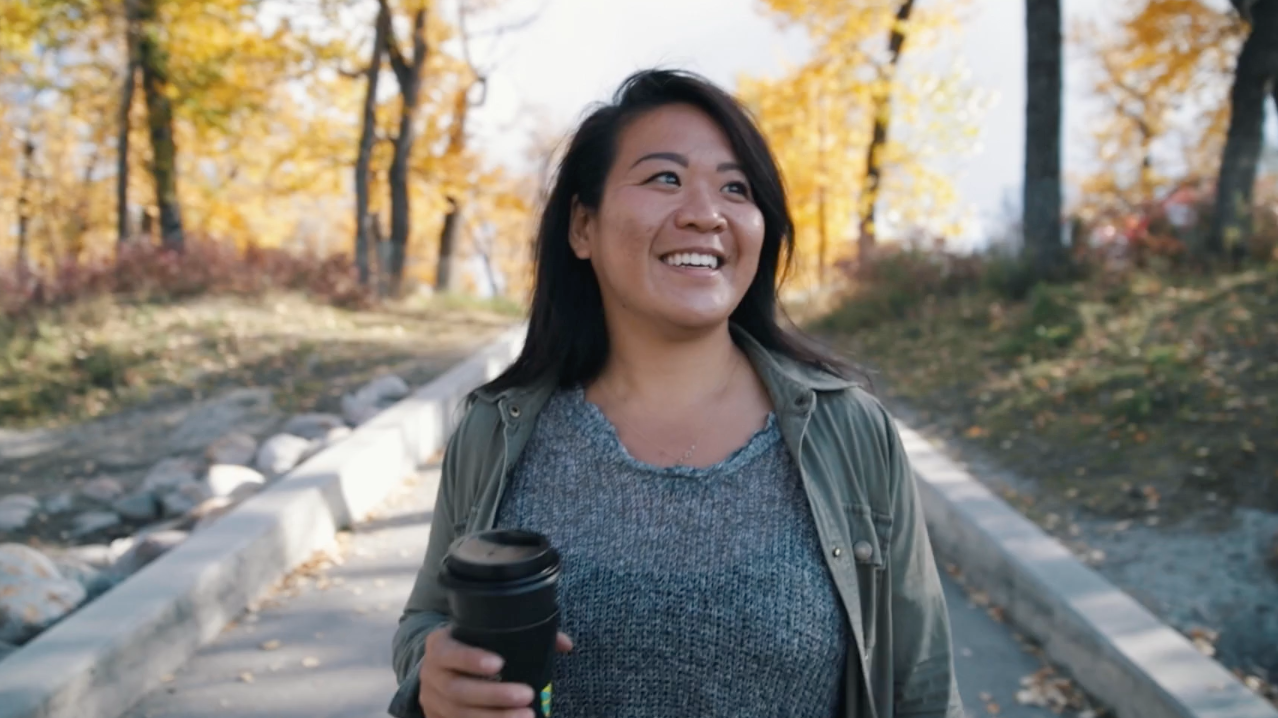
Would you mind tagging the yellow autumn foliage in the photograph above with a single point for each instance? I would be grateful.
(819, 119)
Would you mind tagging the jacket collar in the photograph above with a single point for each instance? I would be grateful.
(789, 383)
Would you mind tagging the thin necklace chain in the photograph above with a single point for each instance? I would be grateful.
(717, 396)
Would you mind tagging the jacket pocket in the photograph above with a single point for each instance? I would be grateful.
(870, 532)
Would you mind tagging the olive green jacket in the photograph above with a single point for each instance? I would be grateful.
(863, 498)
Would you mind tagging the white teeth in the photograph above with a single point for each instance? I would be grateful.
(692, 259)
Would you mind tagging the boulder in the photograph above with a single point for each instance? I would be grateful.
(336, 434)
(280, 453)
(6, 650)
(313, 426)
(145, 550)
(103, 490)
(59, 503)
(182, 500)
(95, 555)
(93, 521)
(16, 511)
(170, 474)
(33, 595)
(140, 506)
(206, 513)
(95, 581)
(248, 409)
(243, 491)
(224, 479)
(237, 448)
(371, 398)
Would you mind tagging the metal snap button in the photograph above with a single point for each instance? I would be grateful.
(863, 551)
(514, 410)
(837, 552)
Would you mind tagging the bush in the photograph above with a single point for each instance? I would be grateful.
(144, 273)
(1051, 323)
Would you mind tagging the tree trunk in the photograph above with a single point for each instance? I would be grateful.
(367, 135)
(444, 275)
(155, 84)
(126, 104)
(1257, 69)
(1041, 199)
(882, 104)
(24, 209)
(409, 75)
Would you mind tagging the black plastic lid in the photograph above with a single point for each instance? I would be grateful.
(500, 555)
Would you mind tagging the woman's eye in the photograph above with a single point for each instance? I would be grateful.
(740, 188)
(666, 178)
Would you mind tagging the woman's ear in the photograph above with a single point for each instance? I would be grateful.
(579, 229)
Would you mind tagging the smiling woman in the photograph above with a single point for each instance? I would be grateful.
(738, 524)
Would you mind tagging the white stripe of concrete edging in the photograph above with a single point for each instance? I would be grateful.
(103, 658)
(1113, 647)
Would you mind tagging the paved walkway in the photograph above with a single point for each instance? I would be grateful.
(321, 649)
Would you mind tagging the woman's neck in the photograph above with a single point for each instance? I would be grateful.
(652, 368)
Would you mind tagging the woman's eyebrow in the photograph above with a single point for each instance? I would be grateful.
(671, 156)
(682, 161)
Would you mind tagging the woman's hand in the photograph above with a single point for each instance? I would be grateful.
(453, 683)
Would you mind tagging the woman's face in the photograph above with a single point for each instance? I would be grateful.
(677, 235)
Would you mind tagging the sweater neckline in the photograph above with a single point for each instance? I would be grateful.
(600, 429)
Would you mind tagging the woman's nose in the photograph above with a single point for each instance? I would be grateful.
(700, 212)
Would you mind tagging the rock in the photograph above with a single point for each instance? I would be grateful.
(92, 521)
(169, 474)
(121, 546)
(313, 426)
(140, 506)
(59, 503)
(335, 435)
(95, 581)
(177, 503)
(248, 410)
(146, 550)
(243, 491)
(280, 453)
(21, 561)
(6, 650)
(33, 595)
(95, 555)
(16, 511)
(357, 411)
(372, 398)
(224, 479)
(235, 448)
(206, 513)
(103, 490)
(387, 387)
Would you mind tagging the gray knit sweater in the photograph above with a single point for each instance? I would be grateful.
(687, 591)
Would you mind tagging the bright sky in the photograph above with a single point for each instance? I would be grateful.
(579, 50)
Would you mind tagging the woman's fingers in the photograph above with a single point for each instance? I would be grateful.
(444, 651)
(563, 643)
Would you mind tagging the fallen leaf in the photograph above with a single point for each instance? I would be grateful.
(986, 697)
(992, 708)
(271, 645)
(246, 677)
(310, 662)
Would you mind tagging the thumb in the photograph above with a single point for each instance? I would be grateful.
(563, 643)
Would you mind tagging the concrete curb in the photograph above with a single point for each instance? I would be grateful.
(1115, 649)
(103, 658)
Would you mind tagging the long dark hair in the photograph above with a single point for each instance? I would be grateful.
(567, 338)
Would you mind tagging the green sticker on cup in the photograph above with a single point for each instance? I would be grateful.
(545, 701)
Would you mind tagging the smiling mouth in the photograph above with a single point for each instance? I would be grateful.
(693, 260)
